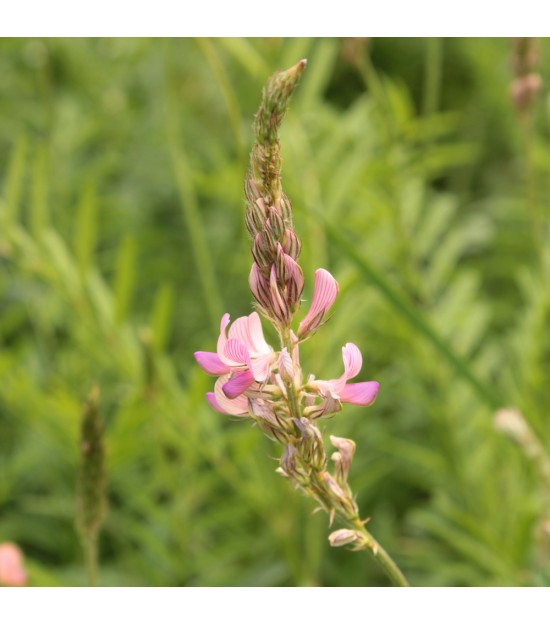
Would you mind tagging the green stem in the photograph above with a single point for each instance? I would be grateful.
(384, 559)
(531, 184)
(433, 75)
(291, 389)
(90, 555)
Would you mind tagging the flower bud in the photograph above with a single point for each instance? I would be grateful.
(286, 368)
(343, 457)
(291, 244)
(288, 460)
(342, 537)
(339, 498)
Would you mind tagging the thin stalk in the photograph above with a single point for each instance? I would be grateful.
(90, 555)
(432, 81)
(531, 184)
(378, 552)
(383, 558)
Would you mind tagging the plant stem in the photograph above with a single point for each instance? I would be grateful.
(382, 557)
(432, 81)
(90, 555)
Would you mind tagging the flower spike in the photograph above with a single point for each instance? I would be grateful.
(267, 386)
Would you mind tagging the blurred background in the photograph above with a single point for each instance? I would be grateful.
(418, 170)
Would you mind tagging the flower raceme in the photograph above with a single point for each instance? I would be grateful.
(267, 386)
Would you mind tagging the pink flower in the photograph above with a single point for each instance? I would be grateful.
(12, 572)
(325, 290)
(360, 393)
(243, 354)
(237, 407)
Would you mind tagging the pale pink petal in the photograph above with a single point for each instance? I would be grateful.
(360, 394)
(211, 363)
(238, 385)
(261, 366)
(325, 290)
(222, 340)
(239, 330)
(353, 360)
(236, 352)
(352, 365)
(286, 368)
(258, 341)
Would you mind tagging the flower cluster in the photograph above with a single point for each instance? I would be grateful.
(249, 368)
(267, 385)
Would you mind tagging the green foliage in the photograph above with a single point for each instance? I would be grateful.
(122, 241)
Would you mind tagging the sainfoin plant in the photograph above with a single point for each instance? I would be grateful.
(267, 385)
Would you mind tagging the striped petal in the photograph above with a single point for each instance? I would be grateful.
(236, 352)
(353, 361)
(325, 290)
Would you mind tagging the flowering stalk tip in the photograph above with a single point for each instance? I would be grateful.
(266, 384)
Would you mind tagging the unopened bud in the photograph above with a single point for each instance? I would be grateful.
(279, 308)
(288, 460)
(311, 443)
(343, 457)
(343, 537)
(291, 244)
(338, 496)
(286, 368)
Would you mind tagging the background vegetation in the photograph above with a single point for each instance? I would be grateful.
(414, 180)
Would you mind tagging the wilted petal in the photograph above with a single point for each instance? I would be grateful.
(325, 290)
(238, 385)
(360, 394)
(211, 363)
